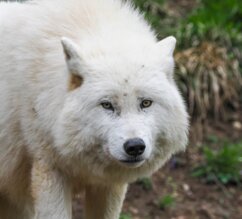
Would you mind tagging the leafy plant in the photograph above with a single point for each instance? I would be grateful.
(224, 165)
(125, 216)
(166, 201)
(213, 21)
(146, 183)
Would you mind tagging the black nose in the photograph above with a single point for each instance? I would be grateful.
(134, 147)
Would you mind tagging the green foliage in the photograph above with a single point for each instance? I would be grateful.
(148, 6)
(219, 21)
(224, 165)
(211, 20)
(155, 15)
(166, 201)
(146, 183)
(125, 216)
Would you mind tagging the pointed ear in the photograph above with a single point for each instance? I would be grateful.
(167, 46)
(74, 63)
(166, 49)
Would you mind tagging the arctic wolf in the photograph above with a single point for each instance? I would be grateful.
(88, 102)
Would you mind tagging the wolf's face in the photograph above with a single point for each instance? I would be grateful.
(125, 109)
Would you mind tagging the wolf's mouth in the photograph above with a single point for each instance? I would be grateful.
(133, 162)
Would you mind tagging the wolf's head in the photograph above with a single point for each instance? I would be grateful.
(123, 108)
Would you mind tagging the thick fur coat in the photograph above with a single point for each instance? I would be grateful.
(80, 79)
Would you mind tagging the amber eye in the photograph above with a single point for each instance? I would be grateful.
(146, 104)
(107, 105)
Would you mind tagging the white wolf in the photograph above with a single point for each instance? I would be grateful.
(87, 102)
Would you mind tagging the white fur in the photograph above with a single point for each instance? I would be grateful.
(54, 142)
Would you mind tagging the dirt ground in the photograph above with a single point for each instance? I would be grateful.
(193, 199)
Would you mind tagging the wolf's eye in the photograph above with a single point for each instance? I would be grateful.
(146, 104)
(107, 105)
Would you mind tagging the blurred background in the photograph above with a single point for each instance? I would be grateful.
(205, 181)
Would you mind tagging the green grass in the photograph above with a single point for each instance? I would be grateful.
(224, 165)
(125, 216)
(166, 201)
(146, 183)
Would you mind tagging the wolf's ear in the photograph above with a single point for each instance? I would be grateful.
(74, 63)
(166, 49)
(167, 46)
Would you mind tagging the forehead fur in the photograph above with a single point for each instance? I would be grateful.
(131, 82)
(131, 64)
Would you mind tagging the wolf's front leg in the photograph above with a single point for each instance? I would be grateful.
(51, 192)
(104, 202)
